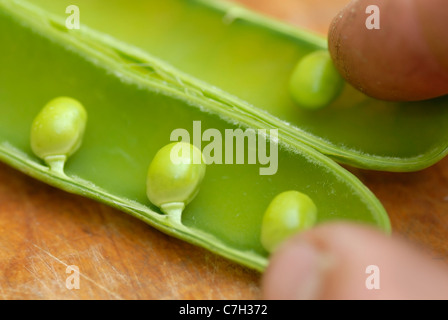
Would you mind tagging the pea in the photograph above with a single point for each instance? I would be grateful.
(315, 82)
(288, 213)
(174, 177)
(57, 131)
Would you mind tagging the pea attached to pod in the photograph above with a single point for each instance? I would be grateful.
(288, 213)
(315, 81)
(174, 178)
(57, 131)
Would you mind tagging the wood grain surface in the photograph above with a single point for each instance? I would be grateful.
(44, 230)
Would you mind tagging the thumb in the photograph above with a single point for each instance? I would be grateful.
(345, 261)
(406, 59)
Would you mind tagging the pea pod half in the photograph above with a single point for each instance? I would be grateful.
(132, 115)
(253, 58)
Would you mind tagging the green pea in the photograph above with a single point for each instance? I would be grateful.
(288, 213)
(315, 82)
(174, 177)
(57, 131)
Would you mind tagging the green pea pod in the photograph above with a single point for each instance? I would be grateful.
(132, 114)
(253, 58)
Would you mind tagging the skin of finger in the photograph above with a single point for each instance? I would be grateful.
(292, 265)
(393, 63)
(433, 20)
(404, 271)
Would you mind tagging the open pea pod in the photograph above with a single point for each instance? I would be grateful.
(252, 58)
(132, 110)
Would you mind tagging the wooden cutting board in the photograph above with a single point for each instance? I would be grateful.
(43, 230)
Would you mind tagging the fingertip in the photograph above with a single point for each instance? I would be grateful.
(294, 272)
(304, 267)
(340, 261)
(397, 60)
